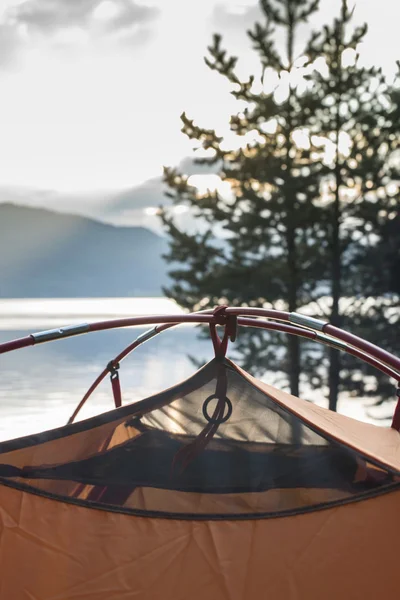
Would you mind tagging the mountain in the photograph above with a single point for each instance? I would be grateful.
(48, 254)
(119, 207)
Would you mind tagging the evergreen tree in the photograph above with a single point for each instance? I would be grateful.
(310, 213)
(272, 248)
(357, 118)
(377, 263)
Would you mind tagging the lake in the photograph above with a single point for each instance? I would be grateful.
(41, 385)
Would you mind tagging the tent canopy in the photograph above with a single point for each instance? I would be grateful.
(220, 487)
(267, 453)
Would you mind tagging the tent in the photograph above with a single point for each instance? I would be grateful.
(221, 487)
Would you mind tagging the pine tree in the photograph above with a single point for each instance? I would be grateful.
(309, 214)
(376, 264)
(272, 248)
(356, 119)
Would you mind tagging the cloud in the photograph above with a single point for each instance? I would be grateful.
(50, 16)
(29, 26)
(148, 194)
(10, 45)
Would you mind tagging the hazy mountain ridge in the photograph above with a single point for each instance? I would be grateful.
(49, 254)
(119, 207)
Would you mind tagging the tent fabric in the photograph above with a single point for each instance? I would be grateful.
(380, 443)
(162, 499)
(55, 551)
(262, 460)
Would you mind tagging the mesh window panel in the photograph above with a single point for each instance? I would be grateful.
(157, 457)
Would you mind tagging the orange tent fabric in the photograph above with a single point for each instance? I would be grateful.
(172, 498)
(51, 550)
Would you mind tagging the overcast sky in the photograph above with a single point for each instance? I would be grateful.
(91, 90)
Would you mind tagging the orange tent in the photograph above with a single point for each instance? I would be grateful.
(221, 487)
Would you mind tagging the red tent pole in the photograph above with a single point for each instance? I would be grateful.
(304, 326)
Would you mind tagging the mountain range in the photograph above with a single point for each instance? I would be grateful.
(49, 254)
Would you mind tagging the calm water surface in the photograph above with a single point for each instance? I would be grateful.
(40, 386)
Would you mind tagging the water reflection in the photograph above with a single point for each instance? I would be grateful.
(45, 313)
(40, 386)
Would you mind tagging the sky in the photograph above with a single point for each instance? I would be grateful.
(91, 90)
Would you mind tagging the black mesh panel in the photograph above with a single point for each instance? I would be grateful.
(160, 458)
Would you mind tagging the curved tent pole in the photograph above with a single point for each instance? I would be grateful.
(147, 335)
(144, 337)
(323, 327)
(280, 327)
(315, 325)
(296, 324)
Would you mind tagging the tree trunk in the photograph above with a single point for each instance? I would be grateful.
(336, 258)
(334, 355)
(293, 341)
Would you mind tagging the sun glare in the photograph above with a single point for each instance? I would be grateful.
(85, 127)
(209, 183)
(180, 209)
(301, 138)
(269, 126)
(151, 211)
